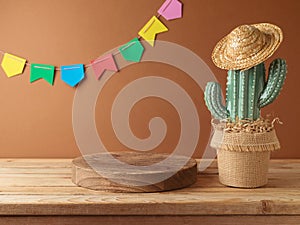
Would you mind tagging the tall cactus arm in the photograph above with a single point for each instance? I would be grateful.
(277, 74)
(213, 100)
(254, 88)
(232, 91)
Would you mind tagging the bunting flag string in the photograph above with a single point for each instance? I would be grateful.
(72, 75)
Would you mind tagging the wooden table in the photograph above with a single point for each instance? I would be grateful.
(40, 191)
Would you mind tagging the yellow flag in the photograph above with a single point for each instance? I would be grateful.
(12, 65)
(153, 27)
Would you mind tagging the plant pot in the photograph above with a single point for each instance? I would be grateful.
(243, 169)
(243, 158)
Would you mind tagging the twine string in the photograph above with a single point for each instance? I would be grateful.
(260, 125)
(42, 67)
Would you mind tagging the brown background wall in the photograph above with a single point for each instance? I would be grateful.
(36, 119)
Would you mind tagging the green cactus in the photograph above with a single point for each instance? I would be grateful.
(247, 91)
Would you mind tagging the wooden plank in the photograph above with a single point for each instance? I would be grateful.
(35, 163)
(74, 190)
(275, 165)
(36, 160)
(63, 162)
(152, 204)
(32, 174)
(58, 190)
(36, 170)
(37, 181)
(150, 220)
(286, 180)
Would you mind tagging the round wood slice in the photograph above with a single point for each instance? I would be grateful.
(132, 180)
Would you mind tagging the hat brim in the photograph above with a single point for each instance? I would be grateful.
(274, 38)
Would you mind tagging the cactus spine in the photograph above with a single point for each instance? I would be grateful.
(247, 91)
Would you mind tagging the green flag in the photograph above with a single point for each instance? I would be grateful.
(38, 71)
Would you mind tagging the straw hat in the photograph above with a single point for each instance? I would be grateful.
(247, 46)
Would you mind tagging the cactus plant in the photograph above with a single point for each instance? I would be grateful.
(247, 91)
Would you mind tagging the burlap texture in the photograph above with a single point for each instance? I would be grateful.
(266, 141)
(243, 169)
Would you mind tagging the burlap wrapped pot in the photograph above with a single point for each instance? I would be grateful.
(243, 158)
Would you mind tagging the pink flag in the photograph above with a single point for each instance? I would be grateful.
(103, 63)
(171, 9)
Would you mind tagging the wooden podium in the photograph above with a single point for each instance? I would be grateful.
(133, 180)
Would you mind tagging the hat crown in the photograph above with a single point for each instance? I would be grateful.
(247, 46)
(243, 40)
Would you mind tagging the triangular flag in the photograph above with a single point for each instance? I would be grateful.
(132, 51)
(171, 9)
(153, 27)
(72, 74)
(38, 71)
(12, 65)
(104, 63)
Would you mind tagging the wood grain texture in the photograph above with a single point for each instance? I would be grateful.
(88, 172)
(43, 187)
(150, 220)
